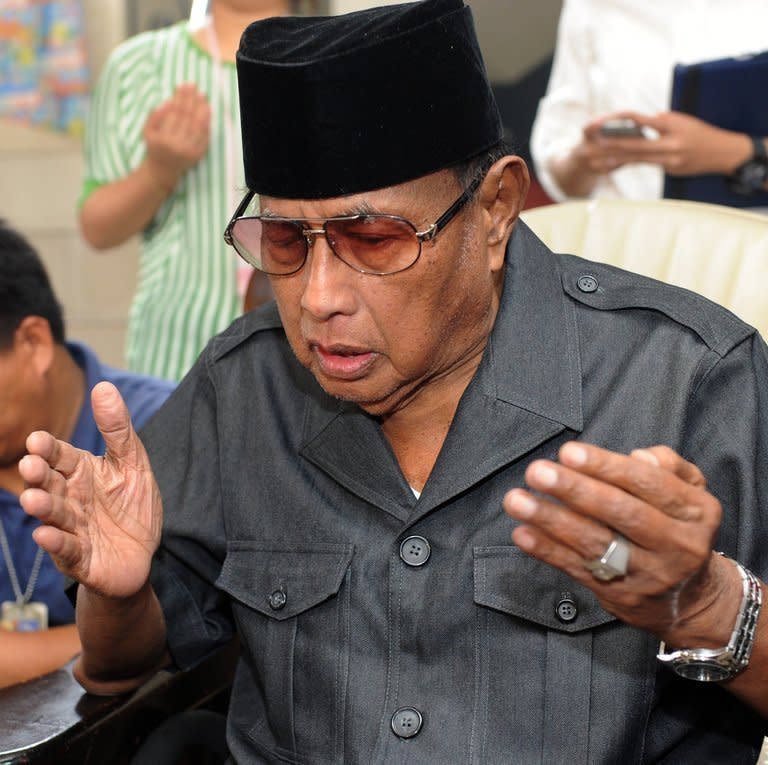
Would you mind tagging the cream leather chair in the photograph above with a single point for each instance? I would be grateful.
(720, 252)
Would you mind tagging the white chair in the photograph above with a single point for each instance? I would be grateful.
(720, 252)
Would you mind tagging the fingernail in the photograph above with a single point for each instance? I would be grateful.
(524, 505)
(523, 539)
(545, 475)
(645, 456)
(574, 454)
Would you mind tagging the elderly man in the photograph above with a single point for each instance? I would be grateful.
(44, 383)
(331, 474)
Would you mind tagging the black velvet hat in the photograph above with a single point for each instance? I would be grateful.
(343, 104)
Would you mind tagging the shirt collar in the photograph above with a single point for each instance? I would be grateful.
(533, 358)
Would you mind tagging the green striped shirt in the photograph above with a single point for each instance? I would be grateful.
(187, 289)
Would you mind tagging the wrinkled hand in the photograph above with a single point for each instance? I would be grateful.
(685, 145)
(101, 516)
(176, 134)
(660, 503)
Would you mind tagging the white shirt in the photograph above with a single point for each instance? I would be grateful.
(616, 55)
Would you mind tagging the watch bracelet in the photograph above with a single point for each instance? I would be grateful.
(742, 638)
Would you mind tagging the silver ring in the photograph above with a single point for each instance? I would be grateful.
(613, 562)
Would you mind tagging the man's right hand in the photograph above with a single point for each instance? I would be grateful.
(101, 516)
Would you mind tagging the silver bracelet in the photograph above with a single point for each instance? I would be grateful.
(718, 664)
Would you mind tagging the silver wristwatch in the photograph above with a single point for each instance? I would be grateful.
(718, 664)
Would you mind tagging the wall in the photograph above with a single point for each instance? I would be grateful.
(40, 176)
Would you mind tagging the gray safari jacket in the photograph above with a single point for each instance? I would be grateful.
(380, 629)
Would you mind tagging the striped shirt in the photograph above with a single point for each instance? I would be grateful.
(187, 284)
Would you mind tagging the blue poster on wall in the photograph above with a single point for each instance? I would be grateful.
(43, 64)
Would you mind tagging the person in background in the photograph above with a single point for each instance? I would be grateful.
(448, 489)
(163, 159)
(615, 59)
(44, 382)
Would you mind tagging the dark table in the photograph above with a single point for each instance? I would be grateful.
(53, 720)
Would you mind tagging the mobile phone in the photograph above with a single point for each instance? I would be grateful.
(621, 128)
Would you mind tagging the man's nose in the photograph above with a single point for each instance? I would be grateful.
(326, 288)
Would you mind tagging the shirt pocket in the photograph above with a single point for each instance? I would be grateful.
(538, 635)
(509, 581)
(292, 607)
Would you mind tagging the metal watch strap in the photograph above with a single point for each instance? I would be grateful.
(717, 664)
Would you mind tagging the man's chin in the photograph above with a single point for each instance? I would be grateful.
(362, 393)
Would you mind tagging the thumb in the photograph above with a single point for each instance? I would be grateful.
(113, 420)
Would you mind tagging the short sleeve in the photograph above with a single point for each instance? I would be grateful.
(182, 443)
(727, 439)
(127, 90)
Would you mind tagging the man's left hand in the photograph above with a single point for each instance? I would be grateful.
(675, 586)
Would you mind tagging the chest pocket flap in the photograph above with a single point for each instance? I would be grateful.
(281, 582)
(508, 580)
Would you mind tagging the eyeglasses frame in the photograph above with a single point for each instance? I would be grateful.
(428, 235)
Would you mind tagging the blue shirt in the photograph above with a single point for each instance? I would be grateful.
(143, 397)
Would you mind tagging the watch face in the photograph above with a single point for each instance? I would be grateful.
(755, 173)
(703, 671)
(750, 177)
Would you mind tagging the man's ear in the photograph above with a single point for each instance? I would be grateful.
(34, 342)
(502, 195)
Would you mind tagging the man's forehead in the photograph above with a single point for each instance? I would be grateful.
(410, 196)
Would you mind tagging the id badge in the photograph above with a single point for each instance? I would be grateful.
(23, 617)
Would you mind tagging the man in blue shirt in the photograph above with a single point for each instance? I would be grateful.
(44, 382)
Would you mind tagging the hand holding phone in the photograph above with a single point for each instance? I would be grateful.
(621, 127)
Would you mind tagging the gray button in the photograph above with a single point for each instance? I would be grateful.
(587, 283)
(277, 599)
(415, 551)
(406, 722)
(566, 610)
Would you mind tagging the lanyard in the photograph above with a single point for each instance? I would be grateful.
(21, 599)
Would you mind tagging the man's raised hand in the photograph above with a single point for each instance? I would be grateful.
(101, 516)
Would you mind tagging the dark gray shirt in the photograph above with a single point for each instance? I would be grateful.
(287, 518)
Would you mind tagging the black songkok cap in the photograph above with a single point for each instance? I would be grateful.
(343, 104)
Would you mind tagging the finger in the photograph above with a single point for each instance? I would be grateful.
(585, 536)
(179, 109)
(59, 455)
(664, 457)
(37, 473)
(189, 101)
(49, 509)
(541, 546)
(154, 121)
(654, 485)
(639, 117)
(629, 148)
(114, 422)
(65, 549)
(644, 574)
(611, 506)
